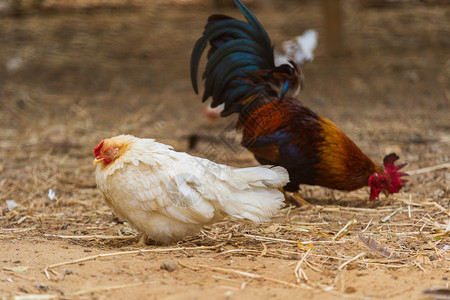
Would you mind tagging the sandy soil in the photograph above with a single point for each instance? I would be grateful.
(71, 77)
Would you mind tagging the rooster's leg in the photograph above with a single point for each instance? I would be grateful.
(288, 200)
(294, 198)
(299, 199)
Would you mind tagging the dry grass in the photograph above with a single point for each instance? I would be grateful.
(319, 239)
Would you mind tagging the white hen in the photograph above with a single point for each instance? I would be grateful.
(300, 49)
(169, 195)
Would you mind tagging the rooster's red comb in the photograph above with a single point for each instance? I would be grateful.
(97, 149)
(393, 171)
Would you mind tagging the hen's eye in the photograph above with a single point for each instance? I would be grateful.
(108, 152)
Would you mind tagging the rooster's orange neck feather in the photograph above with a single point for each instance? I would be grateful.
(342, 164)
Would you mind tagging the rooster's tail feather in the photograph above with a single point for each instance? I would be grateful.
(238, 50)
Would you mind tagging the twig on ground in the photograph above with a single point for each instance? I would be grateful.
(298, 271)
(385, 219)
(429, 169)
(265, 238)
(50, 267)
(112, 287)
(368, 224)
(351, 260)
(344, 230)
(90, 237)
(409, 206)
(246, 274)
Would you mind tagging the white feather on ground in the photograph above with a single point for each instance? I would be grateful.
(169, 195)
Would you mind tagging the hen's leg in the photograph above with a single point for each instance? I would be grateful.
(143, 241)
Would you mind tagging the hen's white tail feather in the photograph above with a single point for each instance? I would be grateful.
(262, 199)
(268, 176)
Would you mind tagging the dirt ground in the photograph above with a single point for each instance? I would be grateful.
(70, 77)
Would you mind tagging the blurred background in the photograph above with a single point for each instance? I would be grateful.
(75, 72)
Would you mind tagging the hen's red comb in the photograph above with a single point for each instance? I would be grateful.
(97, 149)
(392, 170)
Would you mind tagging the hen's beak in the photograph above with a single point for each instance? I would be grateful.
(386, 193)
(97, 160)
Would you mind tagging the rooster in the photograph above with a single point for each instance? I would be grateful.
(241, 75)
(169, 195)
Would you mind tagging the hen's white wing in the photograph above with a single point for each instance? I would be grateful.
(158, 189)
